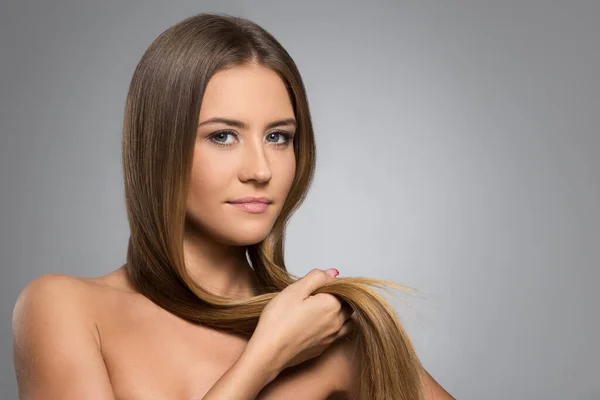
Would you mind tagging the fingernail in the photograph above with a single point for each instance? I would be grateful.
(333, 272)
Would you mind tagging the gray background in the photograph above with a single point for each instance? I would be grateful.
(458, 148)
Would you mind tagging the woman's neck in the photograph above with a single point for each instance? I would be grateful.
(220, 269)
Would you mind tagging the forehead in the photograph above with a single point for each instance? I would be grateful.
(248, 92)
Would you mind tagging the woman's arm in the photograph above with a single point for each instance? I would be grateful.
(55, 344)
(245, 379)
(57, 353)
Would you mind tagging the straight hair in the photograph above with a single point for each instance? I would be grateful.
(159, 131)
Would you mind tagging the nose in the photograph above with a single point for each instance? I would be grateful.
(255, 165)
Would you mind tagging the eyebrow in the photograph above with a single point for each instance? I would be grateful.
(243, 125)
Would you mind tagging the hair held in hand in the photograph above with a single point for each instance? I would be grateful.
(159, 129)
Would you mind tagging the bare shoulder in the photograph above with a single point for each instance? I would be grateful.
(50, 296)
(342, 366)
(432, 390)
(56, 346)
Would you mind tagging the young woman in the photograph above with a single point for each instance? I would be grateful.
(218, 151)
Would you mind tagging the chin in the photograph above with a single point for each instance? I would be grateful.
(247, 238)
(233, 231)
(239, 233)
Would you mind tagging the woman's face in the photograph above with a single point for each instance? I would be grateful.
(251, 156)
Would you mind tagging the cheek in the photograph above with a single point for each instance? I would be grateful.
(208, 183)
(284, 169)
(288, 170)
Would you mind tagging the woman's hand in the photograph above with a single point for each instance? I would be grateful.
(296, 326)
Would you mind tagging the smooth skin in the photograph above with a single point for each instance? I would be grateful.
(96, 338)
(294, 327)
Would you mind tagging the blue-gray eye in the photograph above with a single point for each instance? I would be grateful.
(220, 138)
(286, 136)
(216, 138)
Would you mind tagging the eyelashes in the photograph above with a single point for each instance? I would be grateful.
(224, 133)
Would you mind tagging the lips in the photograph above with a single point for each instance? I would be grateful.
(253, 208)
(252, 205)
(262, 200)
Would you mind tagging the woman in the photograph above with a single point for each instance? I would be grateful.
(218, 151)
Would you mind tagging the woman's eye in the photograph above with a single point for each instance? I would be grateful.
(220, 138)
(280, 135)
(278, 138)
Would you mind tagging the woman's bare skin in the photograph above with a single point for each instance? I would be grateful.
(138, 337)
(149, 353)
(110, 342)
(97, 338)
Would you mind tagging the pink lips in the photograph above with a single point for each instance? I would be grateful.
(253, 208)
(253, 205)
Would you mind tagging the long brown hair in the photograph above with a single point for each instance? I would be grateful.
(159, 128)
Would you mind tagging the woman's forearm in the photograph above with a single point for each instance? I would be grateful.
(245, 379)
